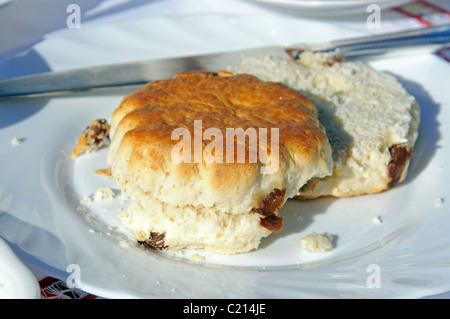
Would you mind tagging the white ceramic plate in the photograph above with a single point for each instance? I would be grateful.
(405, 255)
(16, 280)
(329, 7)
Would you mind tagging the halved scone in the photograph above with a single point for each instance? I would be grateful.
(175, 152)
(371, 121)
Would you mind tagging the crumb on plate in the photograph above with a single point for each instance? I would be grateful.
(438, 202)
(86, 199)
(377, 220)
(104, 171)
(16, 141)
(93, 137)
(104, 193)
(315, 242)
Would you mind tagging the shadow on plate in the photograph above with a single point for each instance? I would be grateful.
(23, 64)
(23, 239)
(17, 109)
(298, 215)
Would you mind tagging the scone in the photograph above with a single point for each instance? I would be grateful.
(371, 121)
(188, 186)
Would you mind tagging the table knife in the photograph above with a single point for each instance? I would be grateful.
(140, 72)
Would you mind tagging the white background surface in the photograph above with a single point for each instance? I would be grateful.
(23, 23)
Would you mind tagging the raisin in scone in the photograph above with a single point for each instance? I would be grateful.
(219, 203)
(372, 122)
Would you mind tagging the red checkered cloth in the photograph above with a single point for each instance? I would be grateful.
(52, 288)
(444, 53)
(425, 12)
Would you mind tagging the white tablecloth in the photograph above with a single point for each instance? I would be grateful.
(26, 22)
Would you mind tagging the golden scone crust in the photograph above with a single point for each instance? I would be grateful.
(141, 148)
(147, 117)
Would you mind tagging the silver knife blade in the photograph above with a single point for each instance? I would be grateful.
(145, 71)
(130, 73)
